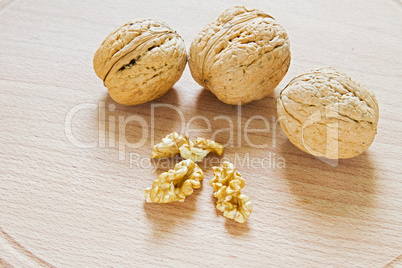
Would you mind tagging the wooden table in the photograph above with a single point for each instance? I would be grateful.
(71, 180)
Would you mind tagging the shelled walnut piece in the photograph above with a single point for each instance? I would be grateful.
(175, 184)
(174, 144)
(227, 185)
(325, 113)
(140, 61)
(241, 56)
(169, 146)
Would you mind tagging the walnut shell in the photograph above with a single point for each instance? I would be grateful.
(325, 113)
(241, 56)
(140, 61)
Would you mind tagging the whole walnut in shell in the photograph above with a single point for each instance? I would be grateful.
(140, 61)
(326, 113)
(241, 56)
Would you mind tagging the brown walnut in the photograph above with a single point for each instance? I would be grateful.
(326, 113)
(140, 61)
(241, 56)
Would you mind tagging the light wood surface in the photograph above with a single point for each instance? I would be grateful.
(66, 206)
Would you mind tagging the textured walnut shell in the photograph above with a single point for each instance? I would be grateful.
(140, 61)
(325, 113)
(241, 56)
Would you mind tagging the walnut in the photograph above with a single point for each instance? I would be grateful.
(175, 184)
(169, 146)
(187, 151)
(195, 150)
(227, 185)
(208, 145)
(241, 56)
(140, 61)
(326, 113)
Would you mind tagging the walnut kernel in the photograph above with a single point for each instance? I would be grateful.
(195, 150)
(175, 184)
(195, 154)
(169, 146)
(227, 185)
(210, 145)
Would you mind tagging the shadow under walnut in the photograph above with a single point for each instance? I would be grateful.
(166, 218)
(341, 189)
(109, 114)
(238, 116)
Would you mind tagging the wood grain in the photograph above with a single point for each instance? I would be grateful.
(64, 205)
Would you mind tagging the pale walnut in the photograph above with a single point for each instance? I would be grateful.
(195, 150)
(325, 113)
(227, 185)
(210, 145)
(241, 56)
(169, 146)
(175, 184)
(195, 154)
(140, 61)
